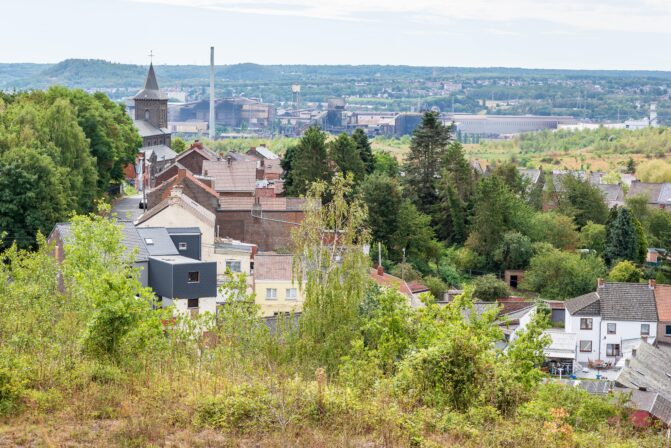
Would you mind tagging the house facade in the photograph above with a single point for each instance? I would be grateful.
(607, 321)
(276, 290)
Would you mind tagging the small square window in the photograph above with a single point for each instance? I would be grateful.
(291, 294)
(645, 329)
(194, 277)
(271, 293)
(149, 241)
(182, 246)
(585, 346)
(586, 323)
(193, 303)
(668, 330)
(611, 328)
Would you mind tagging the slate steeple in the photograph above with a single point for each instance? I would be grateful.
(151, 90)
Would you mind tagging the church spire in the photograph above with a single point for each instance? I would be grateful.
(151, 91)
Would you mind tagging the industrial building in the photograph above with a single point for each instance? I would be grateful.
(234, 113)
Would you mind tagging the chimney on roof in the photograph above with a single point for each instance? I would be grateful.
(229, 159)
(652, 283)
(600, 283)
(181, 173)
(176, 191)
(380, 270)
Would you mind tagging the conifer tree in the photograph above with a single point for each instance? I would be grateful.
(622, 237)
(310, 161)
(365, 150)
(344, 153)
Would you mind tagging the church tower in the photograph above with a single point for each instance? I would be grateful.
(151, 104)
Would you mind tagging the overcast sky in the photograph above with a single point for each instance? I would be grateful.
(596, 34)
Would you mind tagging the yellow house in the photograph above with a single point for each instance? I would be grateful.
(276, 291)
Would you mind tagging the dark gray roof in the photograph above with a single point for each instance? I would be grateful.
(612, 193)
(532, 174)
(151, 90)
(648, 370)
(130, 238)
(585, 305)
(157, 241)
(146, 129)
(162, 152)
(617, 301)
(628, 301)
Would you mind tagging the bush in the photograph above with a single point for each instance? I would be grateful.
(625, 271)
(245, 409)
(489, 288)
(437, 287)
(11, 391)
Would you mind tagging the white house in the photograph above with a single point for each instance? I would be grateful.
(611, 318)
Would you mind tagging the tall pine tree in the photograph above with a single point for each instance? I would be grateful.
(621, 237)
(344, 153)
(309, 161)
(424, 163)
(365, 150)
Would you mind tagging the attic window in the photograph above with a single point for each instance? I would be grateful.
(149, 241)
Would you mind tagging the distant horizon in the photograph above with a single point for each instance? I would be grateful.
(566, 35)
(485, 67)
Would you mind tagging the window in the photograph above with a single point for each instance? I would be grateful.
(146, 114)
(194, 277)
(193, 303)
(611, 328)
(292, 294)
(585, 346)
(612, 349)
(149, 241)
(271, 293)
(668, 330)
(586, 323)
(645, 329)
(182, 246)
(233, 265)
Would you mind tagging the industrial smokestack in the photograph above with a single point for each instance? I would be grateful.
(212, 124)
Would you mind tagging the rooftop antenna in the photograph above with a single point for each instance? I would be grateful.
(212, 123)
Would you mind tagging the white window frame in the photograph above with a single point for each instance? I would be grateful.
(291, 294)
(587, 319)
(614, 328)
(271, 296)
(234, 261)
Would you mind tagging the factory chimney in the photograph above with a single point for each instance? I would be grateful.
(212, 126)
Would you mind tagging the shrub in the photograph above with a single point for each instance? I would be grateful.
(436, 286)
(490, 288)
(625, 271)
(244, 409)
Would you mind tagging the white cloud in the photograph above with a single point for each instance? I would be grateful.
(613, 15)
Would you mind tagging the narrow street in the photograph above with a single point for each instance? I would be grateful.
(127, 208)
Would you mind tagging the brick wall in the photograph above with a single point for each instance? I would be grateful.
(267, 234)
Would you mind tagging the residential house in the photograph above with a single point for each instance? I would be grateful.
(189, 185)
(193, 158)
(379, 276)
(658, 195)
(156, 159)
(613, 194)
(232, 178)
(615, 315)
(663, 301)
(276, 290)
(513, 277)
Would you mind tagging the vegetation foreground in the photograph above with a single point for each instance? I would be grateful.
(86, 358)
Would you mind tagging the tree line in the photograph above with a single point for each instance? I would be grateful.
(441, 220)
(60, 151)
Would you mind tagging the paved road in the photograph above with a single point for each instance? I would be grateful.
(127, 208)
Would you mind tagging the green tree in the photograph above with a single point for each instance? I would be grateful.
(625, 271)
(514, 251)
(365, 150)
(32, 199)
(496, 211)
(456, 189)
(582, 200)
(415, 234)
(178, 145)
(309, 162)
(631, 166)
(344, 153)
(423, 164)
(489, 288)
(554, 228)
(622, 237)
(287, 165)
(563, 275)
(386, 163)
(593, 237)
(382, 195)
(511, 176)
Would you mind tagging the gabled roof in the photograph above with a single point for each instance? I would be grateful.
(157, 241)
(612, 193)
(130, 238)
(628, 301)
(663, 300)
(587, 304)
(179, 200)
(233, 176)
(151, 90)
(264, 152)
(617, 301)
(162, 152)
(649, 369)
(390, 281)
(532, 174)
(204, 152)
(656, 193)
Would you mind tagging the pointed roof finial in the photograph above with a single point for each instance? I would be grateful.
(151, 57)
(151, 91)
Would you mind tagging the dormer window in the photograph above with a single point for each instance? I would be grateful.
(146, 114)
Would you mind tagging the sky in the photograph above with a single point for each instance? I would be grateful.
(573, 34)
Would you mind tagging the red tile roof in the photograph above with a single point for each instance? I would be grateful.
(231, 176)
(389, 281)
(663, 299)
(417, 287)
